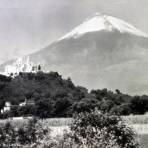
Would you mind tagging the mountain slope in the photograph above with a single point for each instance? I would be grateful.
(103, 51)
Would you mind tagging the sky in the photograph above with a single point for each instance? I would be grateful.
(29, 25)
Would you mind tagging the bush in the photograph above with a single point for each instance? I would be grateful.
(31, 135)
(97, 130)
(7, 135)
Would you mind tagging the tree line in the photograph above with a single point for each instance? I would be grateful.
(58, 97)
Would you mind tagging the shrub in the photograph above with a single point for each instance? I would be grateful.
(7, 135)
(32, 134)
(97, 130)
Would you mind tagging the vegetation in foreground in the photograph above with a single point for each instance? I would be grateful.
(88, 130)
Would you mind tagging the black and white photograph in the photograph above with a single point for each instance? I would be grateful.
(73, 73)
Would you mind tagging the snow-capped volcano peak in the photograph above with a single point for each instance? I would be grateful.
(103, 22)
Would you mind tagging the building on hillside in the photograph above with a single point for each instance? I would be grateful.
(21, 65)
(27, 102)
(6, 108)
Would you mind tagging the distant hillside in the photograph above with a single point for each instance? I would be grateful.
(54, 96)
(36, 85)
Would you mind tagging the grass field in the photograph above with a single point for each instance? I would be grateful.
(136, 119)
(143, 140)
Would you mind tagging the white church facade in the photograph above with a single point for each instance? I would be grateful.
(21, 65)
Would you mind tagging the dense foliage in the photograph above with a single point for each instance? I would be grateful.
(88, 130)
(96, 130)
(32, 134)
(58, 97)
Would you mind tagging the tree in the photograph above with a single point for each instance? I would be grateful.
(85, 105)
(123, 109)
(39, 67)
(27, 110)
(61, 107)
(14, 112)
(139, 105)
(44, 108)
(106, 105)
(118, 91)
(2, 103)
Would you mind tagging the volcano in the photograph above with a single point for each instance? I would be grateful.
(102, 52)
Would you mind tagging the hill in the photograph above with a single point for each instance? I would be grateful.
(54, 96)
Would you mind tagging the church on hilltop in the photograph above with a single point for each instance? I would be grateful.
(21, 65)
